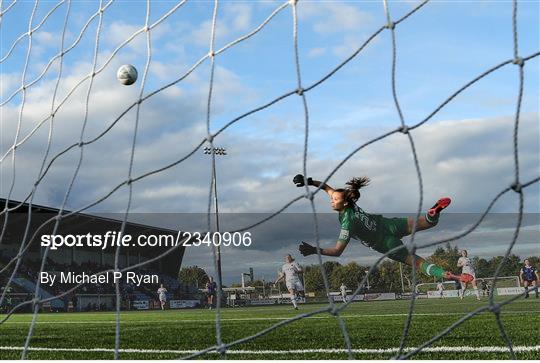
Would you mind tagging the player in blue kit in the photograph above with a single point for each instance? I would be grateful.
(529, 277)
(211, 288)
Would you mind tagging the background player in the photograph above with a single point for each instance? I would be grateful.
(467, 268)
(440, 289)
(529, 277)
(375, 231)
(457, 286)
(162, 293)
(343, 290)
(211, 288)
(484, 287)
(291, 271)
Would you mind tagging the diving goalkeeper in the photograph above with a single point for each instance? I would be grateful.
(375, 231)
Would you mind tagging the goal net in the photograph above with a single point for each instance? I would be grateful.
(72, 138)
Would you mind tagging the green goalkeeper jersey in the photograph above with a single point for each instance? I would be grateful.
(362, 226)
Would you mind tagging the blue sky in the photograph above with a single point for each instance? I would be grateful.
(465, 150)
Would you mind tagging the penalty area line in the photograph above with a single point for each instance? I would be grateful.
(484, 349)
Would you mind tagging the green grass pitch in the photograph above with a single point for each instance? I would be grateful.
(371, 326)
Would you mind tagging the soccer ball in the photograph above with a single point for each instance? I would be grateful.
(127, 74)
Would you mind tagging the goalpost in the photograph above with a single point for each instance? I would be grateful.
(63, 91)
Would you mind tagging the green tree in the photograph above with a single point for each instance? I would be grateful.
(510, 267)
(446, 257)
(193, 275)
(534, 261)
(483, 267)
(350, 274)
(330, 266)
(314, 280)
(387, 278)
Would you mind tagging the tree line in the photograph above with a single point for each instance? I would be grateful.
(385, 278)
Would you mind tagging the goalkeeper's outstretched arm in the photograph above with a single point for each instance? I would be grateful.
(301, 181)
(327, 188)
(306, 249)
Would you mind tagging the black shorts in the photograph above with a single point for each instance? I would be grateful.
(529, 281)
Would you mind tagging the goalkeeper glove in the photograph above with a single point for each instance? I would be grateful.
(306, 249)
(300, 181)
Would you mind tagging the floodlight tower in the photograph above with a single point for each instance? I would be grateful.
(249, 274)
(367, 280)
(222, 152)
(401, 275)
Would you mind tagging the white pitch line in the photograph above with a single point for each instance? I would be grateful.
(460, 349)
(194, 320)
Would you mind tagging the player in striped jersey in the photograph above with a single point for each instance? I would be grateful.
(529, 277)
(467, 268)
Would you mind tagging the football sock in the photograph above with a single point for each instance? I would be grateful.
(430, 269)
(432, 219)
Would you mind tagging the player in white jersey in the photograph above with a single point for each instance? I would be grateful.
(343, 290)
(440, 289)
(162, 293)
(291, 271)
(467, 268)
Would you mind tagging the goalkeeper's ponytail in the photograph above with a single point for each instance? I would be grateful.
(352, 192)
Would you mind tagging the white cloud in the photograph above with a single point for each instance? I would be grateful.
(348, 45)
(233, 21)
(341, 26)
(120, 31)
(167, 71)
(334, 17)
(316, 52)
(9, 84)
(172, 191)
(117, 32)
(239, 15)
(165, 121)
(458, 158)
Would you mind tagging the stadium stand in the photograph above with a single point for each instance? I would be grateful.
(82, 259)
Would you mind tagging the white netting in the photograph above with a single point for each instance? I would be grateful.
(83, 139)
